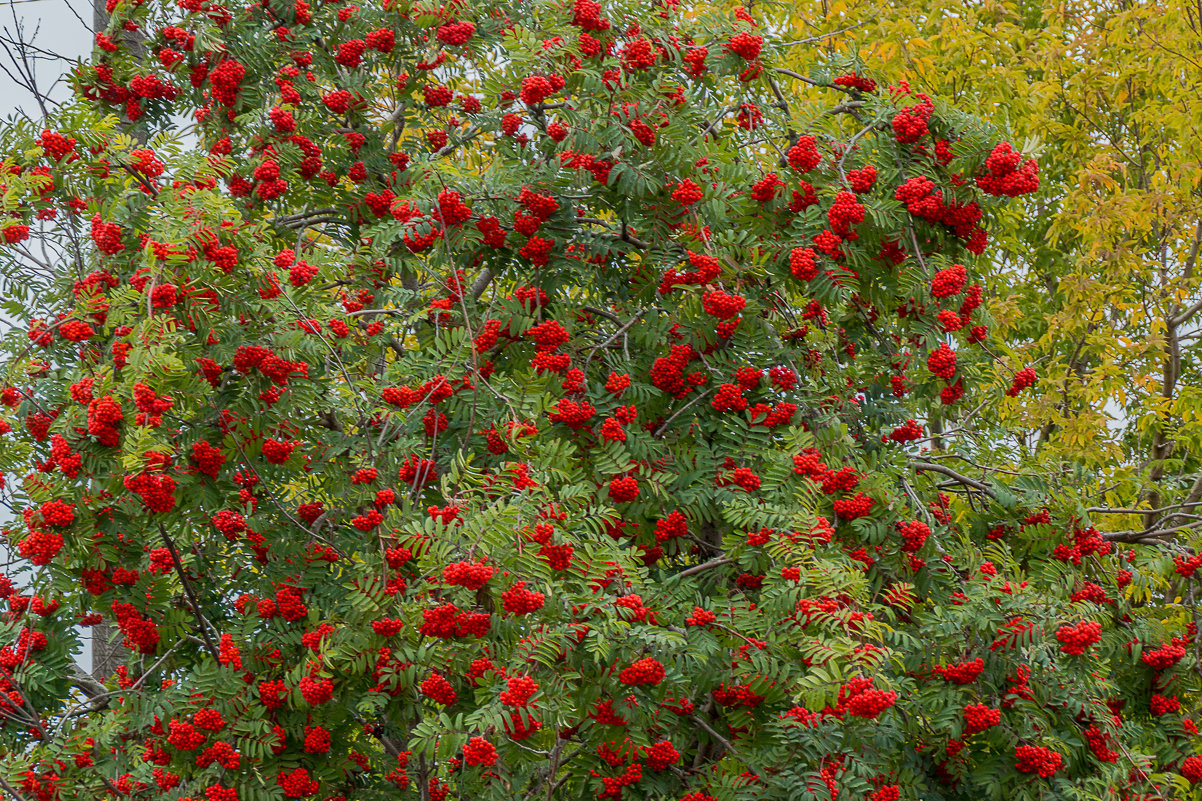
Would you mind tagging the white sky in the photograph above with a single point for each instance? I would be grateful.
(54, 30)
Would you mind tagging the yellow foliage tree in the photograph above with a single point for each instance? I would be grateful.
(1096, 276)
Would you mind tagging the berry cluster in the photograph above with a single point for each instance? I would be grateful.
(479, 751)
(624, 489)
(1161, 705)
(1164, 657)
(315, 691)
(57, 146)
(296, 784)
(1007, 174)
(643, 132)
(942, 361)
(209, 719)
(1036, 759)
(803, 264)
(317, 740)
(471, 575)
(278, 452)
(861, 699)
(573, 414)
(845, 212)
(910, 125)
(14, 233)
(521, 601)
(862, 180)
(804, 156)
(949, 281)
(853, 80)
(853, 508)
(438, 689)
(1085, 541)
(645, 671)
(151, 407)
(737, 695)
(40, 547)
(184, 736)
(924, 201)
(1022, 379)
(722, 305)
(774, 416)
(745, 45)
(229, 523)
(57, 513)
(687, 193)
(225, 79)
(547, 336)
(962, 672)
(914, 534)
(518, 691)
(76, 331)
(456, 34)
(907, 432)
(141, 634)
(446, 622)
(705, 269)
(661, 755)
(767, 188)
(978, 718)
(156, 490)
(338, 101)
(1099, 744)
(107, 236)
(537, 88)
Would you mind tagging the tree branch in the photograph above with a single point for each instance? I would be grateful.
(1189, 502)
(481, 283)
(704, 566)
(677, 413)
(1149, 536)
(8, 788)
(88, 685)
(1185, 316)
(952, 474)
(698, 720)
(179, 569)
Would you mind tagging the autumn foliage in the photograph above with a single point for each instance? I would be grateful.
(530, 400)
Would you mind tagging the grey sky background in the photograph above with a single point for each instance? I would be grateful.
(60, 30)
(60, 37)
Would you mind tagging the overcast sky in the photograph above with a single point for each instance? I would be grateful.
(54, 27)
(59, 36)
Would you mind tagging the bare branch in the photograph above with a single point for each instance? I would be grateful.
(930, 467)
(704, 566)
(1109, 510)
(183, 577)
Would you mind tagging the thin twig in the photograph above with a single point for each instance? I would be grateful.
(179, 568)
(920, 466)
(704, 566)
(1107, 510)
(696, 719)
(678, 412)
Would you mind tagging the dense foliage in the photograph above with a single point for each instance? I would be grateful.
(535, 400)
(1094, 279)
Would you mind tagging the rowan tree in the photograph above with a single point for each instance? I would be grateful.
(531, 400)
